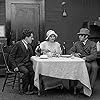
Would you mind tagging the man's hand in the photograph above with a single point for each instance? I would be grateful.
(77, 54)
(16, 69)
(84, 58)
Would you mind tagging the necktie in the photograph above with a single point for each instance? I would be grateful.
(82, 44)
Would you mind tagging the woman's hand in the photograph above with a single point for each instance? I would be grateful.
(44, 51)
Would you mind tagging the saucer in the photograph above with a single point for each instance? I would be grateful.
(66, 56)
(43, 57)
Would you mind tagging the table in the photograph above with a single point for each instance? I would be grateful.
(63, 68)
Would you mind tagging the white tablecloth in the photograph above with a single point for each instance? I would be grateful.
(63, 68)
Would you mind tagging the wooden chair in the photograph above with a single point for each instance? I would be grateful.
(11, 77)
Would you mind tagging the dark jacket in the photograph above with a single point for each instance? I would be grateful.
(19, 55)
(88, 50)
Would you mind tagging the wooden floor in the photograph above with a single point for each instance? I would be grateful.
(55, 94)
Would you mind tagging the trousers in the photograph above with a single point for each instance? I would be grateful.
(27, 78)
(92, 68)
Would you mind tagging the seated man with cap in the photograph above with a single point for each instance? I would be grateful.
(87, 50)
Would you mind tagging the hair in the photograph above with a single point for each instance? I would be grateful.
(55, 37)
(26, 33)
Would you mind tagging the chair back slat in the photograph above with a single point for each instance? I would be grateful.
(5, 56)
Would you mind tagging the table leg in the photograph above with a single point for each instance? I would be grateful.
(40, 85)
(75, 87)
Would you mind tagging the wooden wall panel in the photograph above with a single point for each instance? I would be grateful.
(66, 27)
(2, 12)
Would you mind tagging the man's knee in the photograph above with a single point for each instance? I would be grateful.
(26, 71)
(23, 69)
(32, 73)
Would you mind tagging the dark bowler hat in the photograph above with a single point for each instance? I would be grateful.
(84, 31)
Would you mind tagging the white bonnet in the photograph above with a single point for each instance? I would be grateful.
(50, 32)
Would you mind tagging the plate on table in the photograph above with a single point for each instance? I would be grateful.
(66, 56)
(43, 57)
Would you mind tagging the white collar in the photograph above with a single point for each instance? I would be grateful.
(25, 43)
(85, 41)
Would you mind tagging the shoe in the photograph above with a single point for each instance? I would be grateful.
(28, 93)
(33, 90)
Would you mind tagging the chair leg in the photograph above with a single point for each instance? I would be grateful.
(5, 82)
(19, 82)
(40, 85)
(14, 80)
(75, 90)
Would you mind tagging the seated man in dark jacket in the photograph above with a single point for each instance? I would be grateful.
(19, 59)
(87, 50)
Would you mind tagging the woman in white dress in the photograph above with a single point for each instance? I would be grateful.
(50, 47)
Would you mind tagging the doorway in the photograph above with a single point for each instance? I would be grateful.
(25, 14)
